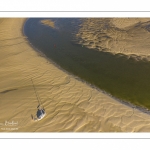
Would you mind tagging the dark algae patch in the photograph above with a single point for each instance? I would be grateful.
(122, 77)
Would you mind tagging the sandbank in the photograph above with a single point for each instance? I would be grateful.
(71, 105)
(128, 36)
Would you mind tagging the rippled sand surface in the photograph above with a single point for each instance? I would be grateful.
(129, 36)
(71, 105)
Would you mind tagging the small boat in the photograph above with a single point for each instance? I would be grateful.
(40, 113)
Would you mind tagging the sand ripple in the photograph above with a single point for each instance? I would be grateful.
(129, 36)
(71, 105)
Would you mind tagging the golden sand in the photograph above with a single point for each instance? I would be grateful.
(127, 22)
(129, 36)
(48, 22)
(71, 105)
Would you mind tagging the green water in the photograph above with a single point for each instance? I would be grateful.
(123, 78)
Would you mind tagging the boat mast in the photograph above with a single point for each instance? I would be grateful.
(36, 93)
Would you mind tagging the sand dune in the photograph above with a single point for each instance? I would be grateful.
(71, 105)
(129, 36)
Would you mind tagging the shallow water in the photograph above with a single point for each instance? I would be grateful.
(122, 77)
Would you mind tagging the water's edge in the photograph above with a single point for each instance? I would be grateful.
(142, 109)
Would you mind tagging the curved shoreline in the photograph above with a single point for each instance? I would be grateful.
(142, 109)
(127, 103)
(71, 105)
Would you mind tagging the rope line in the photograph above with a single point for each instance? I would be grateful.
(37, 96)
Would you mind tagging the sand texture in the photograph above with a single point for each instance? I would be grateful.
(129, 36)
(71, 105)
(48, 22)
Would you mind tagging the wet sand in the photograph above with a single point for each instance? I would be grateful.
(124, 36)
(71, 105)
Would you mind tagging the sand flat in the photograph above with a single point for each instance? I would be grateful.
(71, 105)
(129, 36)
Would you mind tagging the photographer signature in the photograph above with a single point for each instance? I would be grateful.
(8, 123)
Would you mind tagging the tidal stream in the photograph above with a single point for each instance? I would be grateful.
(122, 77)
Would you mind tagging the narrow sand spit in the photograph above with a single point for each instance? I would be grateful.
(129, 36)
(71, 105)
